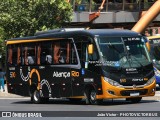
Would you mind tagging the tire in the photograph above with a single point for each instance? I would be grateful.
(135, 100)
(36, 97)
(90, 96)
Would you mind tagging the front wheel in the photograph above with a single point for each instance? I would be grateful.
(91, 97)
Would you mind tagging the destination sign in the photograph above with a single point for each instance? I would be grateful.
(131, 39)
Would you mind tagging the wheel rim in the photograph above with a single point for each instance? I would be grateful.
(36, 96)
(93, 97)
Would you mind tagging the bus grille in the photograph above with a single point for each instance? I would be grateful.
(128, 92)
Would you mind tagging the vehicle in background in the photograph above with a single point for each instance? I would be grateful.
(154, 49)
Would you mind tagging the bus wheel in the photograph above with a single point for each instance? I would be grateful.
(36, 97)
(135, 100)
(91, 98)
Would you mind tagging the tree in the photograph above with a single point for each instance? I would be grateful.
(25, 17)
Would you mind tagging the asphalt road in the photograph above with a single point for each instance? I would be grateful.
(63, 107)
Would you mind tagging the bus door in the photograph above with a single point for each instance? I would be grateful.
(85, 72)
(78, 53)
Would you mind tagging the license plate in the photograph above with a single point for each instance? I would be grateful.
(134, 94)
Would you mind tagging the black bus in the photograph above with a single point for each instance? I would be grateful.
(78, 64)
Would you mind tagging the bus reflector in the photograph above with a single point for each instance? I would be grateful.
(99, 88)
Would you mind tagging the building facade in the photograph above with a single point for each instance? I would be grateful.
(112, 14)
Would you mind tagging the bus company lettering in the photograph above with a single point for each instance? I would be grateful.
(74, 74)
(61, 74)
(66, 74)
(137, 79)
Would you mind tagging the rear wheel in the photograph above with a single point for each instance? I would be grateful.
(36, 97)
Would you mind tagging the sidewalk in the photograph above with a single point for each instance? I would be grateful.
(8, 95)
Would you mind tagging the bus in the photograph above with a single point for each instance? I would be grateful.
(154, 49)
(79, 64)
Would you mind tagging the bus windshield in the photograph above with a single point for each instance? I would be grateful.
(123, 51)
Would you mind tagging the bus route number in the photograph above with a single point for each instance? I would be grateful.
(12, 74)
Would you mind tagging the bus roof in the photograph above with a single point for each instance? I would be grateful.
(69, 34)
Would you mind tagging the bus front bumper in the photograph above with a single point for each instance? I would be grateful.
(113, 92)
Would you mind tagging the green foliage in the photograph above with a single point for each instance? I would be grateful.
(25, 17)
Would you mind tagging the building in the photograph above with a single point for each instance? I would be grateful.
(112, 14)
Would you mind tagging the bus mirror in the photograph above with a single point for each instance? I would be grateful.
(90, 49)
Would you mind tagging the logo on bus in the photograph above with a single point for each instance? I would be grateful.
(66, 74)
(74, 74)
(61, 74)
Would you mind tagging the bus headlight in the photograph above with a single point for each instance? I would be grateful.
(112, 82)
(150, 81)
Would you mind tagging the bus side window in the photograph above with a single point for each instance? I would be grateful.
(31, 55)
(38, 54)
(10, 53)
(64, 53)
(68, 53)
(73, 55)
(14, 55)
(18, 55)
(25, 56)
(56, 52)
(46, 53)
